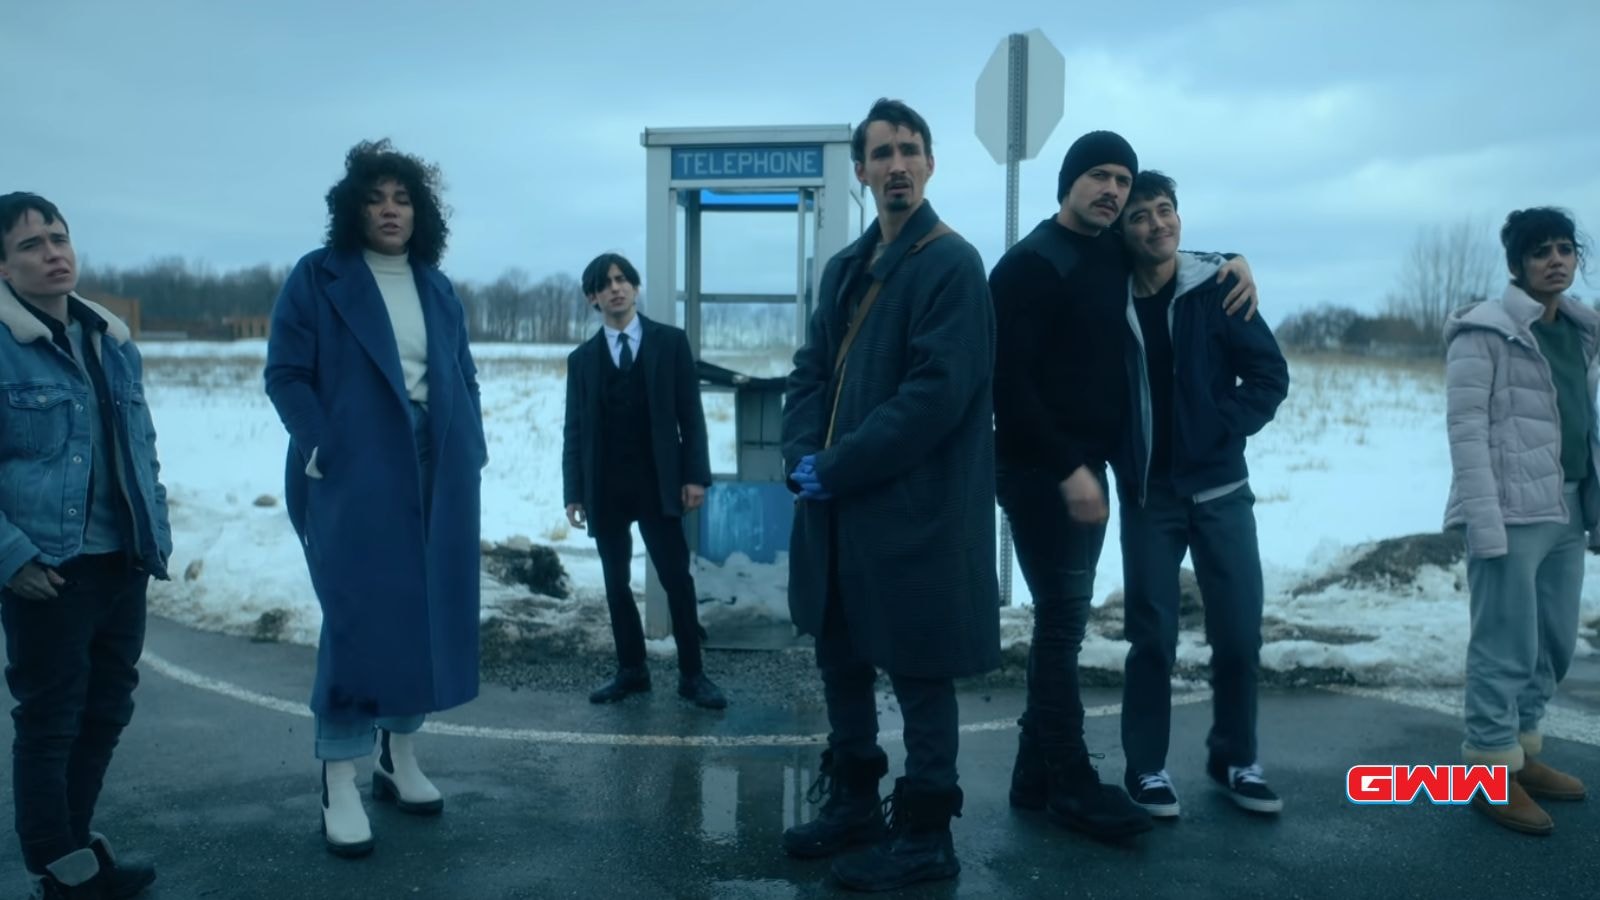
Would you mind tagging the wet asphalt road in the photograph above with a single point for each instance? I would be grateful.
(553, 797)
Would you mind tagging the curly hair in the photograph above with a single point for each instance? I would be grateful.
(364, 166)
(1526, 229)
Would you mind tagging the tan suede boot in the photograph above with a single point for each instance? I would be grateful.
(1521, 814)
(1539, 780)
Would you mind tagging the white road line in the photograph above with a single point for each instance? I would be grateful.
(1559, 721)
(536, 736)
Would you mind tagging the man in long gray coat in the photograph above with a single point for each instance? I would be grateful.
(887, 433)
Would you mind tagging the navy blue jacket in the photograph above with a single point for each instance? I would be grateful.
(907, 544)
(396, 573)
(1229, 377)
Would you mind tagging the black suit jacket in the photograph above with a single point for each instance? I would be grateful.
(677, 419)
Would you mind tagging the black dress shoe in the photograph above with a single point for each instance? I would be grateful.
(626, 681)
(699, 690)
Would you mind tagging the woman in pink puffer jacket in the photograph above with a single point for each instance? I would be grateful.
(1521, 381)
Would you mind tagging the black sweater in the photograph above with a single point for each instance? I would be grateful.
(1061, 395)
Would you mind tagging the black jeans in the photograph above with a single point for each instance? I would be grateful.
(669, 552)
(1058, 557)
(71, 666)
(928, 705)
(1221, 535)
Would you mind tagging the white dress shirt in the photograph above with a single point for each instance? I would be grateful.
(635, 333)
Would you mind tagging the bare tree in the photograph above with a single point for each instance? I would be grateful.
(1447, 268)
(555, 299)
(1315, 330)
(506, 302)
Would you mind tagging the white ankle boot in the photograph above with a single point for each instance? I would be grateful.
(396, 777)
(344, 821)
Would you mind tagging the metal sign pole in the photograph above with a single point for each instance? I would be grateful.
(1016, 136)
(1019, 101)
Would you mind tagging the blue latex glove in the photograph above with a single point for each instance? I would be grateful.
(805, 475)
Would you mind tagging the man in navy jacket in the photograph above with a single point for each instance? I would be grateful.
(1201, 382)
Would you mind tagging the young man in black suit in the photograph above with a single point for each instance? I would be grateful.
(635, 451)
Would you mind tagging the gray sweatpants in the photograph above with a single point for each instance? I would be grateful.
(1524, 629)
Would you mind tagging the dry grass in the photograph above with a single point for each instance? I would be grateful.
(1412, 367)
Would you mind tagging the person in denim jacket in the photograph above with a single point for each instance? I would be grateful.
(83, 528)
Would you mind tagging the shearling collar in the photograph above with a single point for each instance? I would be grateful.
(26, 328)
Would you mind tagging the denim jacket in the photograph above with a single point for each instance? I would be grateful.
(45, 454)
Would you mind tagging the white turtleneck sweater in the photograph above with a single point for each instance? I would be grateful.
(399, 289)
(398, 286)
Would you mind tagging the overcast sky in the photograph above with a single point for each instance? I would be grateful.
(1313, 137)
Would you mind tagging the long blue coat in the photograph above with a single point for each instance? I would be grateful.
(399, 595)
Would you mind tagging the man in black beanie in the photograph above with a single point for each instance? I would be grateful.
(1061, 411)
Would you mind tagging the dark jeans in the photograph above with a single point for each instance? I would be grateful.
(669, 552)
(71, 666)
(928, 705)
(1221, 533)
(1058, 557)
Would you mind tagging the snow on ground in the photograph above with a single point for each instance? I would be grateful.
(1356, 454)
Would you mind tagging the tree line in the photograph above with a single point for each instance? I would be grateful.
(1445, 268)
(177, 295)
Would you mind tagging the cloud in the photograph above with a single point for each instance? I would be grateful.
(1315, 137)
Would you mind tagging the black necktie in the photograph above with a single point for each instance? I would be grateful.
(625, 358)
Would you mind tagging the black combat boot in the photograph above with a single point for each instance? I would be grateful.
(917, 848)
(1030, 777)
(75, 876)
(119, 878)
(1078, 800)
(851, 812)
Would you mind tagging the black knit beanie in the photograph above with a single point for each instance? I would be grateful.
(1096, 148)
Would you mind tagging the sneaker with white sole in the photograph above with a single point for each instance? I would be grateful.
(1247, 786)
(1154, 792)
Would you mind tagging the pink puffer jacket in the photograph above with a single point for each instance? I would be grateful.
(1505, 431)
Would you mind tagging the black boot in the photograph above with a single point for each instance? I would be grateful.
(119, 879)
(1030, 777)
(917, 848)
(1079, 801)
(851, 812)
(75, 876)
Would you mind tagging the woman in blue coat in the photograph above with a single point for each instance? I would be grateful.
(369, 369)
